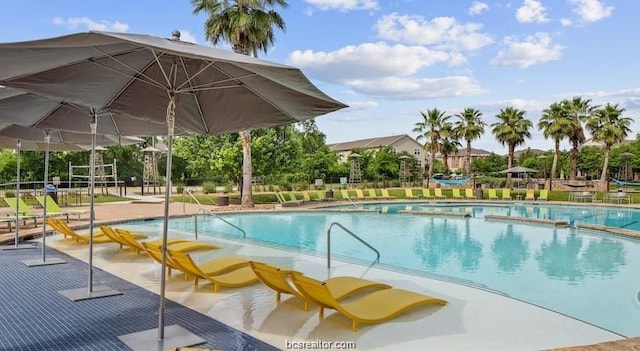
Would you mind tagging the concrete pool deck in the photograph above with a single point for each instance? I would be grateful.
(473, 319)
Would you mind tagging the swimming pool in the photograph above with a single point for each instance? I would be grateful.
(586, 275)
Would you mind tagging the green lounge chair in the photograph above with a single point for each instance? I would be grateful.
(426, 193)
(438, 193)
(344, 193)
(408, 193)
(456, 194)
(54, 210)
(22, 209)
(493, 194)
(372, 194)
(506, 194)
(385, 194)
(544, 195)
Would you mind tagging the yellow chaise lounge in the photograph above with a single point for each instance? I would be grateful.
(376, 307)
(230, 272)
(340, 287)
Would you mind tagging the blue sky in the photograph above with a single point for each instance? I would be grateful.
(391, 60)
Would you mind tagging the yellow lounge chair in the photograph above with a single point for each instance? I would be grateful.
(456, 194)
(63, 228)
(506, 194)
(493, 194)
(360, 194)
(385, 194)
(372, 194)
(544, 195)
(468, 194)
(530, 195)
(230, 272)
(135, 244)
(113, 235)
(408, 193)
(54, 210)
(426, 193)
(153, 250)
(376, 307)
(344, 193)
(306, 196)
(438, 193)
(340, 287)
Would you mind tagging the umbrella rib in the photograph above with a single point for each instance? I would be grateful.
(137, 72)
(195, 98)
(210, 86)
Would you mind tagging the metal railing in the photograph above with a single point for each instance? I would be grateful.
(207, 212)
(187, 191)
(353, 235)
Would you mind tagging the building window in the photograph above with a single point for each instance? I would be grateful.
(416, 151)
(395, 150)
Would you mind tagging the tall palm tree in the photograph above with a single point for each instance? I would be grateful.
(449, 144)
(430, 129)
(511, 129)
(578, 110)
(555, 124)
(249, 26)
(469, 127)
(608, 127)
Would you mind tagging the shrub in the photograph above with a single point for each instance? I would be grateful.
(208, 187)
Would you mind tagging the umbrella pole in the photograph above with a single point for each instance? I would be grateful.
(16, 245)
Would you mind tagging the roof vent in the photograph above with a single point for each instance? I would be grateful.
(175, 35)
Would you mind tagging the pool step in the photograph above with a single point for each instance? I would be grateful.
(528, 220)
(436, 213)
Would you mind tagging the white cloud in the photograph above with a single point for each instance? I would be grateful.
(362, 105)
(566, 22)
(591, 10)
(477, 8)
(344, 5)
(89, 24)
(535, 49)
(444, 32)
(371, 60)
(400, 88)
(531, 11)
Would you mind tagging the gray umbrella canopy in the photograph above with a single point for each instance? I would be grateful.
(194, 89)
(33, 139)
(519, 169)
(215, 91)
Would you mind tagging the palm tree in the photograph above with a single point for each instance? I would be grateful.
(512, 129)
(608, 127)
(430, 130)
(248, 25)
(449, 144)
(555, 124)
(469, 127)
(577, 110)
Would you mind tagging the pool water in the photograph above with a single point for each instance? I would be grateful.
(586, 275)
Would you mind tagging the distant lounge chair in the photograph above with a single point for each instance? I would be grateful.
(285, 202)
(544, 195)
(468, 194)
(322, 196)
(340, 287)
(306, 196)
(360, 194)
(372, 194)
(426, 193)
(530, 195)
(54, 210)
(456, 194)
(493, 194)
(385, 194)
(344, 193)
(22, 209)
(408, 193)
(230, 272)
(438, 193)
(294, 198)
(376, 307)
(506, 194)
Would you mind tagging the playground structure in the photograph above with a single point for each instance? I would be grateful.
(150, 176)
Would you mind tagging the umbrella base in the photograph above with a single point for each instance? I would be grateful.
(84, 294)
(45, 262)
(174, 336)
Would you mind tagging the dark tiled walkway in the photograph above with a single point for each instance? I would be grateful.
(34, 316)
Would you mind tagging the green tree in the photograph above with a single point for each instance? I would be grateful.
(249, 26)
(470, 126)
(511, 129)
(556, 125)
(430, 130)
(449, 144)
(608, 127)
(577, 110)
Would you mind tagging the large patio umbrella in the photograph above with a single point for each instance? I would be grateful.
(194, 89)
(519, 169)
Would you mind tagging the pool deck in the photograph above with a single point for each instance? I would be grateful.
(473, 319)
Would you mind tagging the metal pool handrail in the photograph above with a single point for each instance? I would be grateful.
(353, 235)
(205, 211)
(187, 191)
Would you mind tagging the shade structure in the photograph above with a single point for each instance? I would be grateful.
(32, 139)
(519, 169)
(194, 89)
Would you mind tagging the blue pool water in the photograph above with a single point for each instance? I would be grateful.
(590, 276)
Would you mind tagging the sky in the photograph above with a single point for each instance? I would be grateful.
(391, 60)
